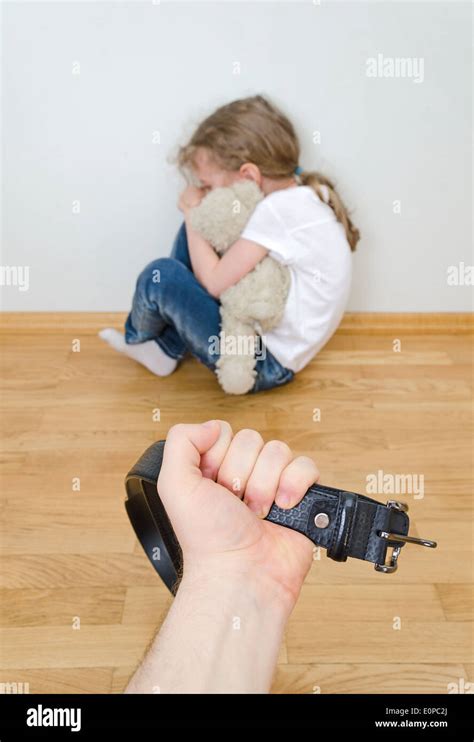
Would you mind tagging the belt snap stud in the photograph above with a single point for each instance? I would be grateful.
(321, 520)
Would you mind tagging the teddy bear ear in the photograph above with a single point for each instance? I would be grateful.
(216, 196)
(249, 193)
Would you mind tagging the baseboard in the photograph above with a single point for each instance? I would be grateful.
(373, 323)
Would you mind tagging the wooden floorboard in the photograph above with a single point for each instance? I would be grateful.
(70, 557)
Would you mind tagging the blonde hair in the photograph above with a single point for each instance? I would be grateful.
(254, 130)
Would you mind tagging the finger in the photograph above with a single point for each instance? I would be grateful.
(295, 479)
(239, 461)
(182, 455)
(263, 482)
(213, 458)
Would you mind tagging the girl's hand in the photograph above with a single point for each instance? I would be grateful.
(190, 197)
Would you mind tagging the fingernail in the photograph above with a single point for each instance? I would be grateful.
(283, 500)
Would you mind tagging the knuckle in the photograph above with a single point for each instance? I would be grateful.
(278, 448)
(308, 463)
(302, 470)
(247, 435)
(225, 426)
(176, 431)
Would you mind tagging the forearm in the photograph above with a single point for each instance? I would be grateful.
(221, 635)
(203, 258)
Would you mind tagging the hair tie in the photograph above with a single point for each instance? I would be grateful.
(298, 170)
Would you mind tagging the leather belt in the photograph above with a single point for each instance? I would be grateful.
(344, 523)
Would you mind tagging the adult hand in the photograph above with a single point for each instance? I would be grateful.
(217, 487)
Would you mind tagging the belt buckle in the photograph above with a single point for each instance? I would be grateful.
(391, 564)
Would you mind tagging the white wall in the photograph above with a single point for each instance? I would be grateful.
(146, 67)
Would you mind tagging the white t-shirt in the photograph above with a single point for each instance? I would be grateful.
(301, 231)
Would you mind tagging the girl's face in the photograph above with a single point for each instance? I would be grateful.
(209, 175)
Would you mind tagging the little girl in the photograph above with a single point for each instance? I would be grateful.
(301, 222)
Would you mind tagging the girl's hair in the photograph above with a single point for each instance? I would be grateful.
(254, 130)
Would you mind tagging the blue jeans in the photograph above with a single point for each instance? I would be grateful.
(171, 307)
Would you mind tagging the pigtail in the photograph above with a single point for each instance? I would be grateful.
(319, 183)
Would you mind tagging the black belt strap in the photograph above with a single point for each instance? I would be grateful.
(344, 523)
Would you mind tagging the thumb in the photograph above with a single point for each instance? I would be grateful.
(180, 472)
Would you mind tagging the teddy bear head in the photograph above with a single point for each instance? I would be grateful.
(223, 213)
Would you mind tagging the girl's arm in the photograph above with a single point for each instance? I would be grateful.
(217, 274)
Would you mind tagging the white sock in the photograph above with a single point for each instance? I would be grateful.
(149, 354)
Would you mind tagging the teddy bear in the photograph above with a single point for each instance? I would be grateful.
(253, 305)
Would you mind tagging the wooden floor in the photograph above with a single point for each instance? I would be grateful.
(80, 601)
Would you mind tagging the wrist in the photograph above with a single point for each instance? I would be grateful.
(234, 577)
(187, 214)
(222, 634)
